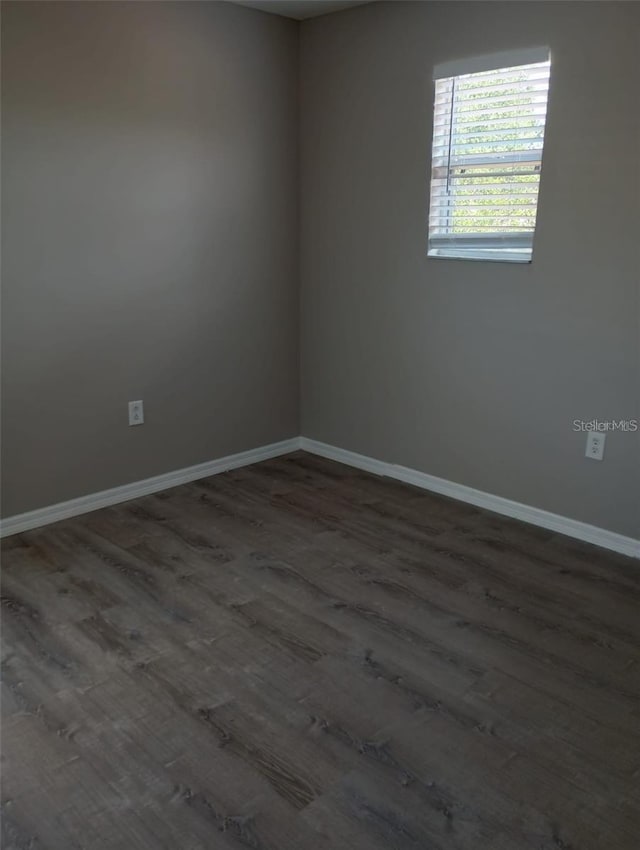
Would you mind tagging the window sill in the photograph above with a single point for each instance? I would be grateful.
(477, 256)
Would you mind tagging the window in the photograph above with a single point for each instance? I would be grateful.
(488, 135)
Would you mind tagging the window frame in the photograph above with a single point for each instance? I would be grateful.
(496, 246)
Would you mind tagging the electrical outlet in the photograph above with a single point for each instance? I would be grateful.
(595, 445)
(136, 413)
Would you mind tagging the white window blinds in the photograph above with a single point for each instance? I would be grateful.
(488, 136)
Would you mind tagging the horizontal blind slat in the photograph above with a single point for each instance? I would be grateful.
(468, 209)
(497, 190)
(504, 129)
(503, 107)
(459, 144)
(496, 174)
(528, 92)
(493, 125)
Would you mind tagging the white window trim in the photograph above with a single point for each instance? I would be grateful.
(509, 247)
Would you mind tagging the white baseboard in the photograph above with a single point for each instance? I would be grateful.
(526, 513)
(94, 501)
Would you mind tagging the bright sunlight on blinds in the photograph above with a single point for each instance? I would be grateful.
(488, 136)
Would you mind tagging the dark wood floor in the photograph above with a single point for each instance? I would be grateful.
(299, 655)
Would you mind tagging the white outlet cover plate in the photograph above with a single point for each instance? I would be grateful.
(595, 445)
(136, 413)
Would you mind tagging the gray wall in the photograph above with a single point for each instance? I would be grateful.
(473, 371)
(149, 240)
(150, 221)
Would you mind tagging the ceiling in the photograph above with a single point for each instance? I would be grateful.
(300, 9)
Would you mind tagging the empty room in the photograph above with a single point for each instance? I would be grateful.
(320, 425)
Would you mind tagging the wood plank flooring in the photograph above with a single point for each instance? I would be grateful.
(301, 656)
